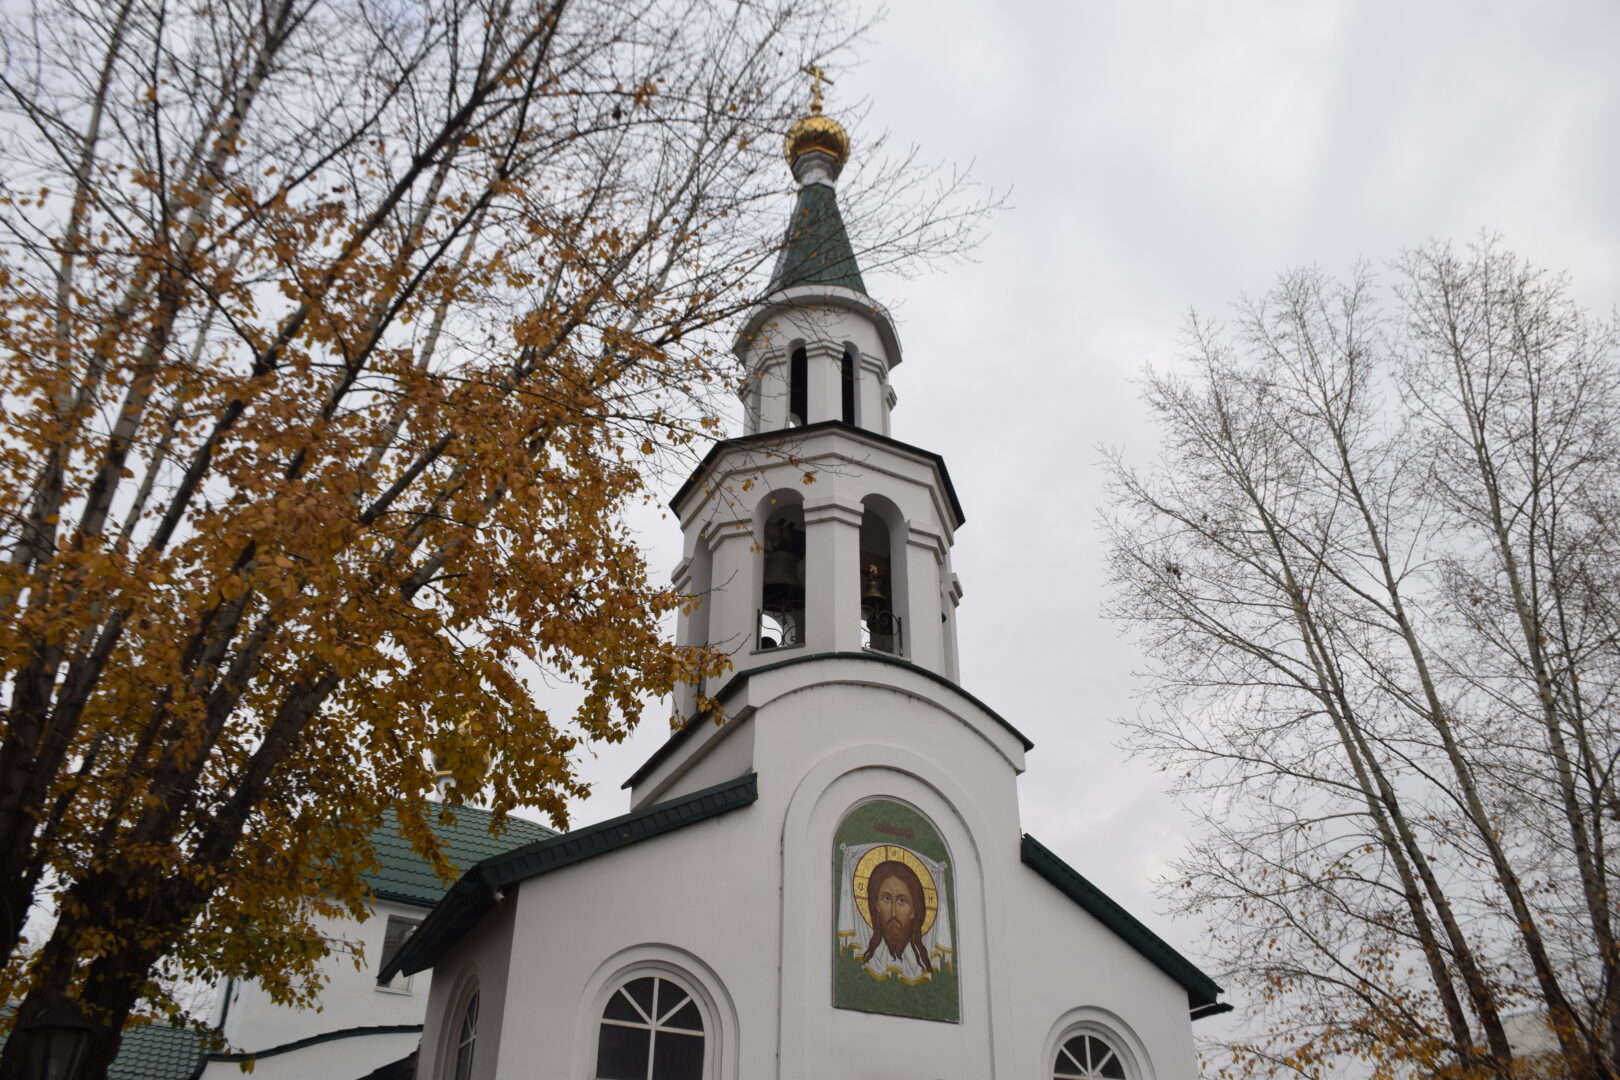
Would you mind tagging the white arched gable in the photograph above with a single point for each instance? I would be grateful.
(675, 965)
(825, 795)
(1102, 1024)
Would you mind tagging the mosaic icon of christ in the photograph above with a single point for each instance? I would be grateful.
(894, 946)
(895, 912)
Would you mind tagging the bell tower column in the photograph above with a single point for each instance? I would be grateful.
(832, 574)
(924, 564)
(826, 370)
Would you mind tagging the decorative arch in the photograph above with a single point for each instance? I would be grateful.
(798, 380)
(1088, 1043)
(885, 588)
(845, 778)
(458, 1036)
(604, 998)
(779, 587)
(700, 583)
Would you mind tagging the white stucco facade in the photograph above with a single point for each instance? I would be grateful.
(740, 908)
(818, 555)
(359, 1026)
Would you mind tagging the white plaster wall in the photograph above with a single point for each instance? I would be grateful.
(1064, 959)
(483, 962)
(829, 702)
(351, 997)
(825, 330)
(338, 1059)
(723, 513)
(742, 904)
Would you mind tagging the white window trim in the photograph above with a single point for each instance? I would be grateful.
(677, 966)
(409, 986)
(1089, 1020)
(450, 1036)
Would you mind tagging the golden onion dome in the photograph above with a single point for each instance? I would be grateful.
(817, 132)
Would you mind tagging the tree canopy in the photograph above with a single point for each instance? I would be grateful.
(336, 335)
(1375, 571)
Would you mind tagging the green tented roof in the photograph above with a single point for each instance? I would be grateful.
(464, 831)
(817, 249)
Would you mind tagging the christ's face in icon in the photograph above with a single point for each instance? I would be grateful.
(896, 910)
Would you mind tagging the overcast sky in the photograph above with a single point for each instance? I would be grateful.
(1164, 156)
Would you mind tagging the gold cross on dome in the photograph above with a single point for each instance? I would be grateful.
(815, 90)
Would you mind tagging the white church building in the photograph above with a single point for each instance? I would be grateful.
(833, 881)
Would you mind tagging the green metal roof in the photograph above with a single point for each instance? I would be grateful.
(1201, 989)
(817, 249)
(157, 1052)
(151, 1051)
(406, 877)
(477, 892)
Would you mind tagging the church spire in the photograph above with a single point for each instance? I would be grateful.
(816, 532)
(817, 250)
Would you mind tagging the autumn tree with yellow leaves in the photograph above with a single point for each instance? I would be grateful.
(335, 336)
(1376, 571)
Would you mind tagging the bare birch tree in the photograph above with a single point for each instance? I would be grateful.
(1374, 570)
(336, 333)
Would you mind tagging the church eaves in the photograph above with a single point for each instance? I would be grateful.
(1201, 989)
(817, 250)
(481, 887)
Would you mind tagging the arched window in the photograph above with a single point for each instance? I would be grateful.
(883, 592)
(846, 371)
(1086, 1056)
(798, 389)
(782, 595)
(651, 1029)
(466, 1039)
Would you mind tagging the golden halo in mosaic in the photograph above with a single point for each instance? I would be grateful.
(894, 852)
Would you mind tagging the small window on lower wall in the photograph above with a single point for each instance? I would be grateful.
(394, 936)
(1088, 1057)
(651, 1030)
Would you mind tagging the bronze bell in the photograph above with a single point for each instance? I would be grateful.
(873, 591)
(783, 568)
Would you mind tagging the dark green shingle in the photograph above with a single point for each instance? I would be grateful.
(406, 876)
(817, 249)
(157, 1052)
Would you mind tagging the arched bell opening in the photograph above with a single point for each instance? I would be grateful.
(782, 595)
(700, 580)
(798, 388)
(848, 396)
(883, 573)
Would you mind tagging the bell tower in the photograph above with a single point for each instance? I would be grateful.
(816, 531)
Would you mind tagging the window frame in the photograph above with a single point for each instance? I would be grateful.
(691, 974)
(467, 996)
(464, 1041)
(1099, 1024)
(400, 983)
(656, 1021)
